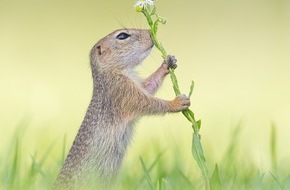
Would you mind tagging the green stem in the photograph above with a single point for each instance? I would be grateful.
(197, 150)
(153, 34)
(187, 113)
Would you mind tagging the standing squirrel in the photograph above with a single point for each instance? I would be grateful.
(119, 98)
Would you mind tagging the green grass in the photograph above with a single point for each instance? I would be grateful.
(159, 170)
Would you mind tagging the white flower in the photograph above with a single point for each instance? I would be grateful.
(141, 4)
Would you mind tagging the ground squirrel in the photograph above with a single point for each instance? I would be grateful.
(119, 98)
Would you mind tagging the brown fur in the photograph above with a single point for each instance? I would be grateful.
(119, 98)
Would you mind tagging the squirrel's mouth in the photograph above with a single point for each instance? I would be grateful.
(150, 47)
(146, 52)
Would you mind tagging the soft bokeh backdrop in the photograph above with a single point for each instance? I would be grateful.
(236, 51)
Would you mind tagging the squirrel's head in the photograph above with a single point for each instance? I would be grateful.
(124, 48)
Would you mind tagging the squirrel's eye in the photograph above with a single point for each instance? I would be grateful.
(123, 36)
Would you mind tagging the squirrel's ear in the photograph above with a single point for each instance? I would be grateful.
(99, 50)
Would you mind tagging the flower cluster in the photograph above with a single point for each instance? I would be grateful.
(142, 4)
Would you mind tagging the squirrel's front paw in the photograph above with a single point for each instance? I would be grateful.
(181, 102)
(171, 62)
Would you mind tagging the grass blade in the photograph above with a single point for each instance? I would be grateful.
(151, 167)
(277, 181)
(149, 180)
(14, 171)
(215, 182)
(188, 182)
(273, 147)
(63, 155)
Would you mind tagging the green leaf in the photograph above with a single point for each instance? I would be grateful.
(198, 124)
(191, 89)
(155, 27)
(197, 153)
(189, 115)
(195, 127)
(215, 182)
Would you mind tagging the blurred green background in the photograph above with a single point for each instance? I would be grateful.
(236, 51)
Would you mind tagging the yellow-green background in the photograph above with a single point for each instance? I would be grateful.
(236, 51)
